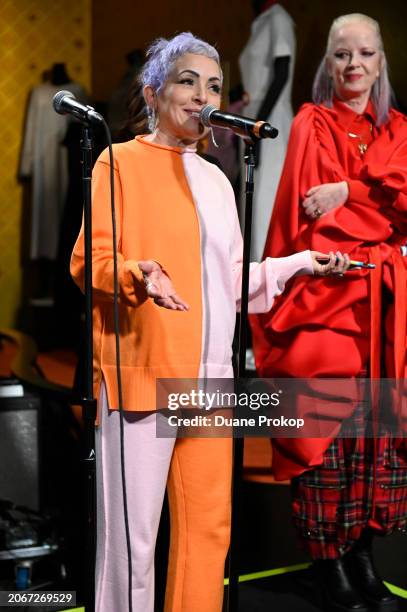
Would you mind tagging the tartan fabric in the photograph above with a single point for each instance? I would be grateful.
(334, 502)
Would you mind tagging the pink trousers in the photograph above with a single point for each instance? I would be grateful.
(199, 477)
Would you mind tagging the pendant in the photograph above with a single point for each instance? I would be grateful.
(362, 148)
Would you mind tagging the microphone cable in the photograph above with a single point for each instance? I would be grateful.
(118, 370)
(64, 102)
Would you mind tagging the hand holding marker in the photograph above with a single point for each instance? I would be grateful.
(354, 265)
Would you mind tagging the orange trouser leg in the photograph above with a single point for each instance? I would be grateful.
(199, 491)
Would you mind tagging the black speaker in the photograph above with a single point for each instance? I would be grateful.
(19, 445)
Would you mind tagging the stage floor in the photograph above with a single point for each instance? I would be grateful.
(287, 592)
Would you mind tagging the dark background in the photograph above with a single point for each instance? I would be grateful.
(119, 27)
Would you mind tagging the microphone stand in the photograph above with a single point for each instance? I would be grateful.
(238, 443)
(88, 402)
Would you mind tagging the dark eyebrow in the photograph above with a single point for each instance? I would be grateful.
(197, 75)
(371, 48)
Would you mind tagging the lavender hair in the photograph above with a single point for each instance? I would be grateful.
(323, 90)
(162, 55)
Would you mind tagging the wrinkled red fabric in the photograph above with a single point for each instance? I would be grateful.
(331, 327)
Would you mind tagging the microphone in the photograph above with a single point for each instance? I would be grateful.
(210, 116)
(64, 103)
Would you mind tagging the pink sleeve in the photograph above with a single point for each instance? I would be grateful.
(268, 278)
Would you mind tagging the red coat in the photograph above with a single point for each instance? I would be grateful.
(331, 327)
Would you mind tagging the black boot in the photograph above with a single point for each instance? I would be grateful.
(360, 567)
(338, 592)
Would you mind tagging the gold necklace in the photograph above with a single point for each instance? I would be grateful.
(362, 146)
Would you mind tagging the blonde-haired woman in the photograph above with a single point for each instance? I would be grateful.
(345, 183)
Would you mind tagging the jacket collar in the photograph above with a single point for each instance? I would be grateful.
(346, 116)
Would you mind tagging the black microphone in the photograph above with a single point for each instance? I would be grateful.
(242, 126)
(64, 103)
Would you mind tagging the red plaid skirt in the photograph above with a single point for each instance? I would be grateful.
(361, 483)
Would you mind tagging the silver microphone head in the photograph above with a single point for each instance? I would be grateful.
(206, 113)
(57, 99)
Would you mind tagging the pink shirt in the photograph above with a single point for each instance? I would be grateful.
(222, 252)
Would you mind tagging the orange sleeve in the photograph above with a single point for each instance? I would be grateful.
(131, 283)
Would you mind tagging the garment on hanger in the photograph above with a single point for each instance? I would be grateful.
(44, 158)
(272, 36)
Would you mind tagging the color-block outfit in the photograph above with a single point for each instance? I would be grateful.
(177, 209)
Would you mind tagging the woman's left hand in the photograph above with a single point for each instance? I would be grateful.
(323, 198)
(334, 264)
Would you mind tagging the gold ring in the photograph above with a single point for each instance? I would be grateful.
(317, 212)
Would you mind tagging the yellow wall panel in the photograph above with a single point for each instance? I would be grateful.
(34, 34)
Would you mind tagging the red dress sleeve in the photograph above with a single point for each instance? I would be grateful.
(324, 326)
(374, 215)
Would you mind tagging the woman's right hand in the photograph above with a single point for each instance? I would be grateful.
(334, 264)
(159, 286)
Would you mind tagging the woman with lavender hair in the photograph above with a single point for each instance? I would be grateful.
(344, 183)
(177, 228)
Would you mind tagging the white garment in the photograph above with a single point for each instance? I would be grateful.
(272, 36)
(147, 460)
(45, 159)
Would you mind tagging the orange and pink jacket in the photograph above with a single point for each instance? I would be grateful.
(176, 208)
